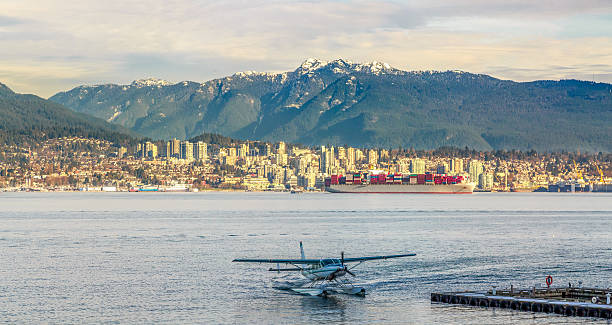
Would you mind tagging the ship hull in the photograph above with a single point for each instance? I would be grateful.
(403, 188)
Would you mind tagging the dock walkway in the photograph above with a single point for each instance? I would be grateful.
(581, 302)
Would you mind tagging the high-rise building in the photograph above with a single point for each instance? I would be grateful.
(456, 166)
(341, 153)
(475, 168)
(359, 156)
(186, 150)
(151, 150)
(373, 158)
(166, 150)
(146, 150)
(324, 163)
(350, 156)
(266, 150)
(243, 151)
(280, 159)
(281, 148)
(175, 148)
(417, 166)
(327, 160)
(200, 150)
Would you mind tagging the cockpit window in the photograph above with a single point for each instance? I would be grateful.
(329, 261)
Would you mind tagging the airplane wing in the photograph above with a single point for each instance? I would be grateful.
(370, 258)
(286, 261)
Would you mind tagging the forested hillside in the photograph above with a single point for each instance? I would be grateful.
(28, 118)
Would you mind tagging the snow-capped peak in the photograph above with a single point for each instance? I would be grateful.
(310, 65)
(255, 73)
(150, 82)
(345, 67)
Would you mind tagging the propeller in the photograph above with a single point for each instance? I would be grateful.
(346, 269)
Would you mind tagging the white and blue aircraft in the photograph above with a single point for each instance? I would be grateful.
(324, 274)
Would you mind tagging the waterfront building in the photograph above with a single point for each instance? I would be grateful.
(255, 183)
(485, 181)
(293, 181)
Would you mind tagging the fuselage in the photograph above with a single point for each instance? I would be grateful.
(327, 269)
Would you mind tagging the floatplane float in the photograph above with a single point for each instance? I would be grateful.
(325, 274)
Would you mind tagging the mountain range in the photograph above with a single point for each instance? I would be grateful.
(373, 104)
(29, 118)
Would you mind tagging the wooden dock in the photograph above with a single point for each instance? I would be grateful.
(569, 301)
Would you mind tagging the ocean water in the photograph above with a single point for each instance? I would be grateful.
(166, 258)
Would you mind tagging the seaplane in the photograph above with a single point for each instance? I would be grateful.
(325, 275)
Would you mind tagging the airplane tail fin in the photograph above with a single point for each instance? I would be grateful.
(302, 251)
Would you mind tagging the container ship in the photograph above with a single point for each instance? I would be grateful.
(398, 183)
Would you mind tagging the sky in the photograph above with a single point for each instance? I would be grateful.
(55, 45)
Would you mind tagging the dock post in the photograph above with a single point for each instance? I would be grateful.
(495, 293)
(608, 298)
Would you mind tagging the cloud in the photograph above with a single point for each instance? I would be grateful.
(8, 21)
(94, 41)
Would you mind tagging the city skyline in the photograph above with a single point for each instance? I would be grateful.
(71, 163)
